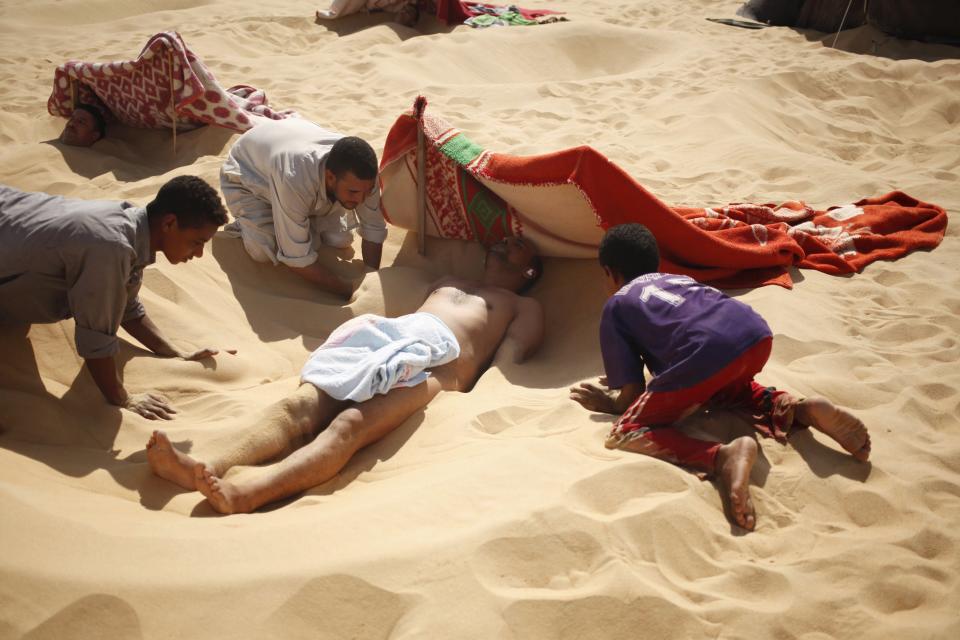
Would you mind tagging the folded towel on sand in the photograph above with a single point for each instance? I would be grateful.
(340, 8)
(371, 355)
(138, 92)
(565, 200)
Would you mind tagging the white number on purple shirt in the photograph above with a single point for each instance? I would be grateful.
(656, 292)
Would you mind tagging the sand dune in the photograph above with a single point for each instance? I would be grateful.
(498, 514)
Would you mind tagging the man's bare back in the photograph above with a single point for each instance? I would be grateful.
(479, 317)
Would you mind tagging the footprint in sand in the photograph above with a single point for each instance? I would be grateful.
(928, 543)
(563, 560)
(868, 508)
(629, 487)
(90, 618)
(603, 617)
(336, 606)
(524, 421)
(901, 589)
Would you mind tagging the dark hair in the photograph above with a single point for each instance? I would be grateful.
(630, 250)
(416, 11)
(354, 155)
(195, 203)
(97, 116)
(536, 263)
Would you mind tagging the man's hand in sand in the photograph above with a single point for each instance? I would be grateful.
(151, 406)
(202, 354)
(593, 397)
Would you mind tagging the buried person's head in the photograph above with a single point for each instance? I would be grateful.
(626, 252)
(183, 217)
(84, 127)
(513, 263)
(409, 14)
(350, 172)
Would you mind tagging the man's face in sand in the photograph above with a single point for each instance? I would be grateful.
(514, 257)
(348, 189)
(181, 244)
(80, 130)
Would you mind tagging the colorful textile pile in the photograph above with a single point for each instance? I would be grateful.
(138, 92)
(565, 200)
(481, 14)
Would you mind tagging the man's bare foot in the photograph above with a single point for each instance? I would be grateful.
(839, 424)
(222, 494)
(734, 463)
(168, 463)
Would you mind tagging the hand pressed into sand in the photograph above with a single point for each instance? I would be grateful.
(201, 354)
(593, 397)
(149, 405)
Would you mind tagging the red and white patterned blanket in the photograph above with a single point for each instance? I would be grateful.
(565, 200)
(138, 92)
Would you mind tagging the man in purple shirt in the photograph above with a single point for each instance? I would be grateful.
(703, 348)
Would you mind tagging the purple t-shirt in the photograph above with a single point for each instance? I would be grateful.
(684, 331)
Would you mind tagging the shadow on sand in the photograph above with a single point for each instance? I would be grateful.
(130, 154)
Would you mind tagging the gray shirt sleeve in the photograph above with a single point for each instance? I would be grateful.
(372, 225)
(98, 299)
(134, 308)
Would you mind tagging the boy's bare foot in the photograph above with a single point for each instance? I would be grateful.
(734, 463)
(168, 463)
(222, 494)
(839, 424)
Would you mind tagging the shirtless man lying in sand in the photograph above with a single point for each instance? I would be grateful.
(461, 328)
(704, 350)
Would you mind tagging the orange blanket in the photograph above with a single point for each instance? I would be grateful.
(565, 200)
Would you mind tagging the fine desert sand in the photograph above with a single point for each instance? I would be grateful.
(498, 513)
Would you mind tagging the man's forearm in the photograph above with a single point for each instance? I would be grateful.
(147, 334)
(323, 278)
(372, 253)
(104, 373)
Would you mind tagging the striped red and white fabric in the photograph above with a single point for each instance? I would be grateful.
(137, 92)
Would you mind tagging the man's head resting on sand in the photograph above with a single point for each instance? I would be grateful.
(350, 172)
(514, 264)
(85, 126)
(185, 215)
(626, 252)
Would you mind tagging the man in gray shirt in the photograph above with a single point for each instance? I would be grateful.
(62, 258)
(293, 185)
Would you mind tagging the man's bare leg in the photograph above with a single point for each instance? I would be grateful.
(733, 465)
(841, 425)
(281, 427)
(352, 429)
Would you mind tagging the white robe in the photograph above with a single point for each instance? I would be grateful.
(273, 183)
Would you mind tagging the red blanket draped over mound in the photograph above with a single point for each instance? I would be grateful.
(138, 92)
(565, 200)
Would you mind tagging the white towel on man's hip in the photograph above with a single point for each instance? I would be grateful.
(370, 354)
